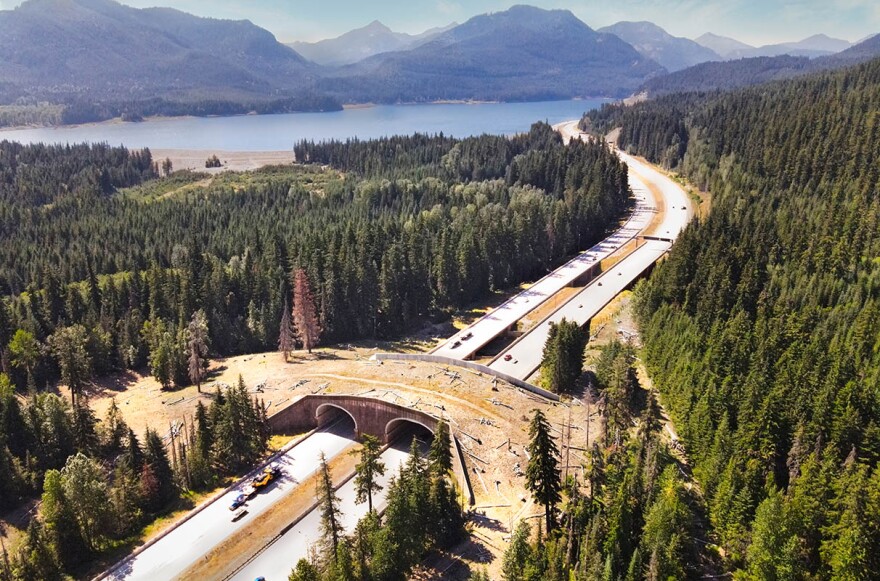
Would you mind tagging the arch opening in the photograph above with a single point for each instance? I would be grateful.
(401, 431)
(328, 414)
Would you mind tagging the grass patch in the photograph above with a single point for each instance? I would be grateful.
(178, 182)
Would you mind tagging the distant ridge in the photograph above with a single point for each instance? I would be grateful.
(671, 52)
(356, 45)
(812, 47)
(100, 49)
(745, 72)
(722, 45)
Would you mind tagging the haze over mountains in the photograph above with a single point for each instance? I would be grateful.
(731, 74)
(100, 59)
(356, 45)
(673, 53)
(812, 47)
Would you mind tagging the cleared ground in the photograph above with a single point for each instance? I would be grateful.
(194, 159)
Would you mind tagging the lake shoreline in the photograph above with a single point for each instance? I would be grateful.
(280, 132)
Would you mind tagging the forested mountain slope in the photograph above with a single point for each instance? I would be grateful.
(521, 54)
(745, 72)
(103, 59)
(763, 328)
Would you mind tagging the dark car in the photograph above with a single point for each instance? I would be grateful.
(508, 357)
(239, 500)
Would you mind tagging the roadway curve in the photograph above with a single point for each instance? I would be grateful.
(522, 358)
(175, 552)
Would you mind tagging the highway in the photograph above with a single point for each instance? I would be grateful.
(525, 354)
(503, 317)
(276, 562)
(522, 358)
(175, 552)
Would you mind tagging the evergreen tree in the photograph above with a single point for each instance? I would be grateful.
(114, 430)
(36, 558)
(69, 347)
(542, 472)
(328, 503)
(305, 315)
(285, 333)
(159, 476)
(133, 455)
(237, 428)
(440, 453)
(563, 358)
(85, 436)
(197, 347)
(367, 470)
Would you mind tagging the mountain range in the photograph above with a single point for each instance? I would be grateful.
(72, 48)
(101, 59)
(356, 45)
(812, 47)
(731, 74)
(524, 53)
(671, 52)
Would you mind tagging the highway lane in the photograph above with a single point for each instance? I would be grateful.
(276, 562)
(522, 358)
(179, 549)
(679, 208)
(525, 354)
(501, 318)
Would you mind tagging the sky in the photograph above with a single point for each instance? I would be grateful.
(753, 21)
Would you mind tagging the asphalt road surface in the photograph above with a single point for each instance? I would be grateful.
(501, 318)
(179, 549)
(276, 562)
(525, 354)
(522, 358)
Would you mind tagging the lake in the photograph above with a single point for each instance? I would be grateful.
(280, 132)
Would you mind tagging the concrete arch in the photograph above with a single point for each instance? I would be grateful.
(371, 416)
(396, 424)
(327, 413)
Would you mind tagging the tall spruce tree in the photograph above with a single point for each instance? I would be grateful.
(440, 453)
(156, 461)
(367, 470)
(286, 338)
(328, 506)
(543, 477)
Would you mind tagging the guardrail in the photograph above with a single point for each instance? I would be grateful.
(467, 365)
